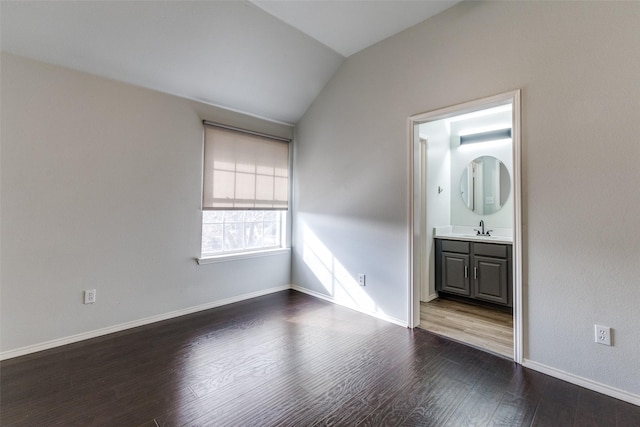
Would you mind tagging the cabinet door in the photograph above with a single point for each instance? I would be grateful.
(455, 273)
(491, 279)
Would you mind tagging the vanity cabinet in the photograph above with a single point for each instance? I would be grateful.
(480, 271)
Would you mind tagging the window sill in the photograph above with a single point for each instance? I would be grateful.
(242, 255)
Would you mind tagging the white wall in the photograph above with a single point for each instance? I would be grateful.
(577, 66)
(101, 189)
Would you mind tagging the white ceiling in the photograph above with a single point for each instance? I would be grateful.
(350, 26)
(265, 58)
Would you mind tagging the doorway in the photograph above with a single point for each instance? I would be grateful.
(465, 181)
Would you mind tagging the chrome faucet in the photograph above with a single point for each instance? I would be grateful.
(481, 232)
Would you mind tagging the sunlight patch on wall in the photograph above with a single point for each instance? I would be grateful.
(339, 283)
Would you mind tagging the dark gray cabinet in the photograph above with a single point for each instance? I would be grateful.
(454, 262)
(456, 274)
(481, 271)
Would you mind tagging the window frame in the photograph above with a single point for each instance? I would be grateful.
(285, 221)
(283, 231)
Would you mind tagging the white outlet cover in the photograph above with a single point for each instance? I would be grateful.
(603, 335)
(361, 279)
(90, 296)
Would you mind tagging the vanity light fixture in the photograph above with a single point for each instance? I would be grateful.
(492, 135)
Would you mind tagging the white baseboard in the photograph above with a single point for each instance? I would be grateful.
(556, 373)
(429, 298)
(583, 382)
(134, 324)
(351, 306)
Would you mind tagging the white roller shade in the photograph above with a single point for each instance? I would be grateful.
(244, 171)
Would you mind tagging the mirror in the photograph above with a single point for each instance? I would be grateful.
(485, 185)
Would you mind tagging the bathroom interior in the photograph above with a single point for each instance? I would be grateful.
(466, 163)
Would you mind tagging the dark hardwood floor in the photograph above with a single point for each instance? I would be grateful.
(288, 359)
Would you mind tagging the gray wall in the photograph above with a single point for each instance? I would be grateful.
(101, 189)
(577, 65)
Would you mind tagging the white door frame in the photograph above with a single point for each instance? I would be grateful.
(416, 211)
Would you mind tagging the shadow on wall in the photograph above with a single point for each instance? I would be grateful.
(340, 285)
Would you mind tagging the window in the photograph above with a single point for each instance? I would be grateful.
(245, 191)
(242, 231)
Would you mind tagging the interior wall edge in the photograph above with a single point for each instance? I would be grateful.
(336, 301)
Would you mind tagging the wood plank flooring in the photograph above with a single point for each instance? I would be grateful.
(288, 359)
(485, 328)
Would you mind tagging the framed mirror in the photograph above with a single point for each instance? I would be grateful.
(485, 185)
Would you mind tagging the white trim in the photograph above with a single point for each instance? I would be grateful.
(518, 302)
(134, 324)
(242, 255)
(384, 317)
(583, 382)
(465, 107)
(414, 234)
(413, 308)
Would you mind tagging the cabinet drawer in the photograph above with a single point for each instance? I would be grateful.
(455, 246)
(490, 249)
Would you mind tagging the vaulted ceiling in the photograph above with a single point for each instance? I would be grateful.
(266, 58)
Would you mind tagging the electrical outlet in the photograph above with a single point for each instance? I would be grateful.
(362, 279)
(603, 334)
(89, 296)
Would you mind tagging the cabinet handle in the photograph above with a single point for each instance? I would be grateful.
(475, 272)
(466, 271)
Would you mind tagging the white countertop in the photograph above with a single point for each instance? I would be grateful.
(468, 234)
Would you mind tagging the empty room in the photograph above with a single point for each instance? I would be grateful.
(270, 213)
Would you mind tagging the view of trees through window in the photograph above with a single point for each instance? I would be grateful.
(238, 231)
